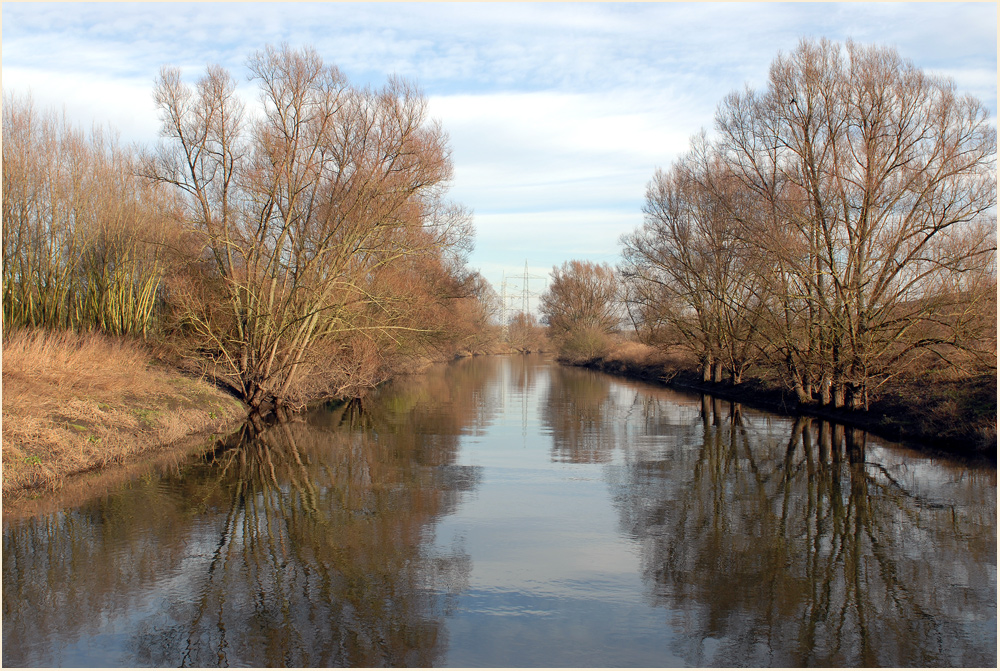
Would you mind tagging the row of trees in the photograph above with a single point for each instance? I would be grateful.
(838, 229)
(294, 246)
(83, 240)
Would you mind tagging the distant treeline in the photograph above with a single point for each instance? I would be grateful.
(838, 230)
(290, 254)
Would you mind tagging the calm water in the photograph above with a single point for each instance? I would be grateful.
(509, 512)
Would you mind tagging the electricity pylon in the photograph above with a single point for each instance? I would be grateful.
(506, 311)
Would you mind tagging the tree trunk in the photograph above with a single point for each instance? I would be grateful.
(824, 390)
(255, 398)
(801, 394)
(717, 372)
(855, 396)
(838, 395)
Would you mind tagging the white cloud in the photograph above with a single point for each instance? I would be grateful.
(504, 241)
(521, 150)
(125, 105)
(558, 114)
(586, 232)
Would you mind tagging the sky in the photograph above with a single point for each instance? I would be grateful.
(558, 114)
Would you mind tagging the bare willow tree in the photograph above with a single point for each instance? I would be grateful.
(690, 279)
(877, 190)
(297, 210)
(525, 334)
(582, 306)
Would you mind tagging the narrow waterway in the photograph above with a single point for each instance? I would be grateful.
(509, 512)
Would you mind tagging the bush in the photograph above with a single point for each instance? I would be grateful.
(584, 344)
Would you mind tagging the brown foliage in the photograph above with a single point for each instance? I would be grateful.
(304, 215)
(581, 307)
(525, 334)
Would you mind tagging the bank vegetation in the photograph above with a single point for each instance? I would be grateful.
(300, 249)
(834, 238)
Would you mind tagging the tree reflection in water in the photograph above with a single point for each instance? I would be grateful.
(302, 545)
(762, 540)
(773, 545)
(577, 409)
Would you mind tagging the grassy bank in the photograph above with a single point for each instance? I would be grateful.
(958, 416)
(74, 403)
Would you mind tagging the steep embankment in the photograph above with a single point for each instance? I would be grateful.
(74, 403)
(955, 416)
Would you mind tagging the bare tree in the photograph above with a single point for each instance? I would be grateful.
(690, 279)
(298, 210)
(581, 306)
(83, 239)
(525, 334)
(875, 183)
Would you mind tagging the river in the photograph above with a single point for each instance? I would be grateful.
(509, 512)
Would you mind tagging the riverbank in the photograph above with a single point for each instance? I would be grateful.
(958, 417)
(78, 403)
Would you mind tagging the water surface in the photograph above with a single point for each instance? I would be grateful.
(510, 512)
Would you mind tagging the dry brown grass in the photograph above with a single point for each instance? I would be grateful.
(636, 353)
(70, 361)
(630, 358)
(631, 354)
(72, 403)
